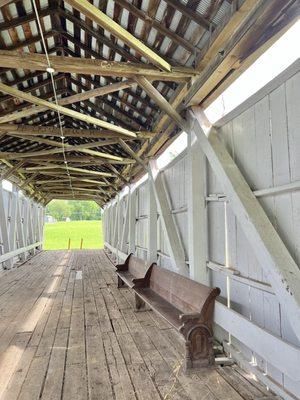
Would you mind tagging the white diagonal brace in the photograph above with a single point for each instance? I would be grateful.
(174, 241)
(275, 259)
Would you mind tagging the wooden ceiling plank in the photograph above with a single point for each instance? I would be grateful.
(191, 14)
(103, 20)
(158, 26)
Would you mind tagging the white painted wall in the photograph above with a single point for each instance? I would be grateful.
(21, 227)
(263, 137)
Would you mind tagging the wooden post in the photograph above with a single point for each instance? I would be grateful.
(132, 221)
(197, 228)
(152, 225)
(69, 244)
(20, 229)
(125, 228)
(81, 243)
(13, 219)
(3, 226)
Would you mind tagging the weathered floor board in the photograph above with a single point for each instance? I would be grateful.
(67, 335)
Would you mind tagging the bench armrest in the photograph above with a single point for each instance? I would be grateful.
(121, 267)
(138, 281)
(189, 316)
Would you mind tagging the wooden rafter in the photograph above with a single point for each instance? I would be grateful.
(31, 130)
(89, 66)
(74, 114)
(161, 101)
(70, 99)
(84, 147)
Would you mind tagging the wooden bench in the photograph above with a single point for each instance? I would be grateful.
(187, 305)
(132, 271)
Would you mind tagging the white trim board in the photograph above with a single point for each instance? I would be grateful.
(260, 94)
(11, 254)
(281, 354)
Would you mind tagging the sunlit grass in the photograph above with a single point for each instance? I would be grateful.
(57, 235)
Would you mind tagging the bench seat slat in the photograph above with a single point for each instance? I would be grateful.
(160, 305)
(127, 277)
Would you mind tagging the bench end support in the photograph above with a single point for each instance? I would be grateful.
(199, 349)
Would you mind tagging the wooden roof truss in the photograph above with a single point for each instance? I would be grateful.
(124, 77)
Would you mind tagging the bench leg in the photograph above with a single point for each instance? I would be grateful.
(199, 349)
(139, 303)
(120, 283)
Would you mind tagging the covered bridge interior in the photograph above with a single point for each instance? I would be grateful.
(92, 93)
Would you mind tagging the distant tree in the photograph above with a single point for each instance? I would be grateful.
(59, 209)
(74, 209)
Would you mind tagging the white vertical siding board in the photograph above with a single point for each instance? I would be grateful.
(152, 225)
(283, 213)
(132, 221)
(293, 120)
(216, 232)
(279, 132)
(264, 179)
(244, 145)
(264, 175)
(293, 126)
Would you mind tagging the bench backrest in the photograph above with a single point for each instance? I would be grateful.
(137, 267)
(183, 293)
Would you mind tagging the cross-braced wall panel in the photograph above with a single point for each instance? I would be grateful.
(262, 136)
(21, 228)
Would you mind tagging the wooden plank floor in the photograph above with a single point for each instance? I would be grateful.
(67, 332)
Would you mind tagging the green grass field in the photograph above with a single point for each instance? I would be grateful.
(57, 235)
